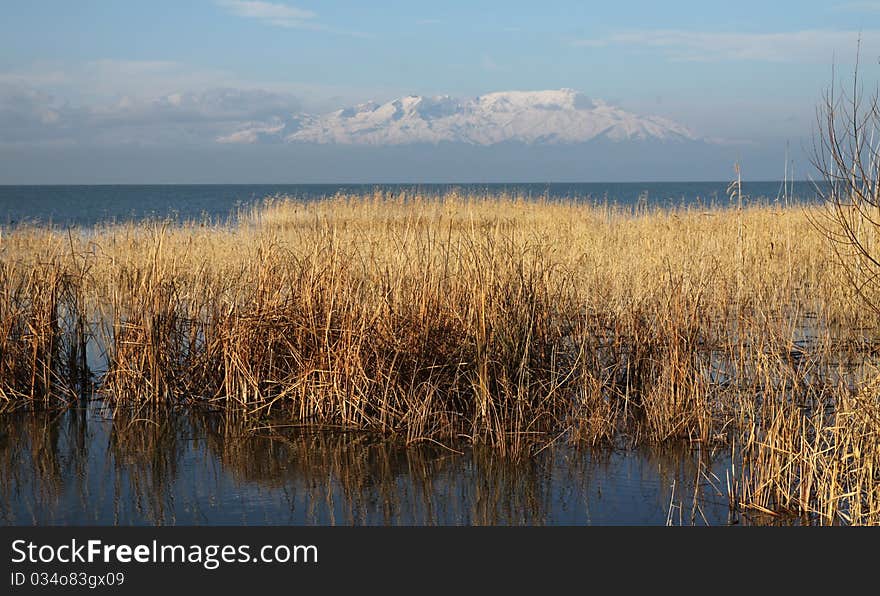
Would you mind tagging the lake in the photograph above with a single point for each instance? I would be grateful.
(86, 205)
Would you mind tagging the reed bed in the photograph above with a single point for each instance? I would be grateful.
(458, 320)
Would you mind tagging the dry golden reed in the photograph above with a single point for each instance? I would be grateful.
(491, 320)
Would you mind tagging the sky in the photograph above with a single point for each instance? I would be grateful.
(82, 81)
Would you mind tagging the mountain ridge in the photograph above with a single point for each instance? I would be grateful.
(561, 116)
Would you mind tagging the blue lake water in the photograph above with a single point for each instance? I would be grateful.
(85, 467)
(86, 205)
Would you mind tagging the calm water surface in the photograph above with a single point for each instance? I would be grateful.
(87, 205)
(83, 466)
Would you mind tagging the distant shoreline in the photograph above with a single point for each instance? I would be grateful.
(85, 205)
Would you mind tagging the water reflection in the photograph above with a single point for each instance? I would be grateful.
(88, 467)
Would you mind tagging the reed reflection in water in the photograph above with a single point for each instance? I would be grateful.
(84, 466)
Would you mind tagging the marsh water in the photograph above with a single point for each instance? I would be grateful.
(85, 466)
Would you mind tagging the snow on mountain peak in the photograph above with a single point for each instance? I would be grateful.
(519, 100)
(552, 116)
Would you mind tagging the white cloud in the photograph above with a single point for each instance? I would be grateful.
(249, 136)
(858, 7)
(281, 15)
(267, 11)
(106, 81)
(99, 80)
(812, 45)
(153, 101)
(29, 116)
(145, 77)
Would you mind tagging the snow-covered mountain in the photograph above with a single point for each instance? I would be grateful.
(534, 117)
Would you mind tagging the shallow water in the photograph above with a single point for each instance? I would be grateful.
(83, 467)
(65, 205)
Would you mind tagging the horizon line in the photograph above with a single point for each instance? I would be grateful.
(450, 183)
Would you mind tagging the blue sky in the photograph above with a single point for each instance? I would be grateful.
(103, 72)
